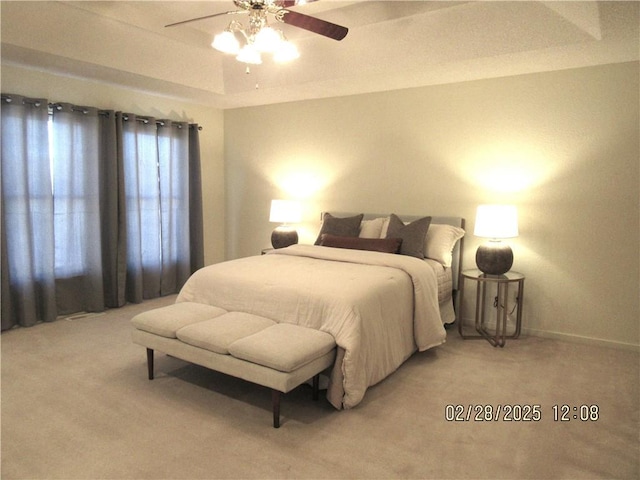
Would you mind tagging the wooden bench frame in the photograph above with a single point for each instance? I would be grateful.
(279, 382)
(275, 394)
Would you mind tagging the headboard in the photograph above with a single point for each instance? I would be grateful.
(456, 266)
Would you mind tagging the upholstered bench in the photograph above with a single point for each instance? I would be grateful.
(280, 356)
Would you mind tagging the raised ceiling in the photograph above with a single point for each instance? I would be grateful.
(391, 45)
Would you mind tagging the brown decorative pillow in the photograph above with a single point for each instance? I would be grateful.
(385, 245)
(343, 227)
(413, 235)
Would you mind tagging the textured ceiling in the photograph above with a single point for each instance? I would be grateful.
(390, 45)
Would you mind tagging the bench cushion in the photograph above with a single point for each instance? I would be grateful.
(284, 347)
(166, 321)
(218, 333)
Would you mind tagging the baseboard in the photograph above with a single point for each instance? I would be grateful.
(580, 339)
(80, 316)
(566, 337)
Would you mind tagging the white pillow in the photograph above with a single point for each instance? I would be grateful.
(440, 241)
(373, 228)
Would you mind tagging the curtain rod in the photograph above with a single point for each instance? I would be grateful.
(36, 102)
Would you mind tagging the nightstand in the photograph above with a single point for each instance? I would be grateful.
(502, 282)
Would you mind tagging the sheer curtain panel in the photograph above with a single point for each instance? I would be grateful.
(75, 158)
(173, 165)
(28, 286)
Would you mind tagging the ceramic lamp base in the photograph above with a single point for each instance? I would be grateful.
(283, 237)
(494, 258)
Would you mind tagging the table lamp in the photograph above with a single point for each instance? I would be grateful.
(495, 222)
(284, 212)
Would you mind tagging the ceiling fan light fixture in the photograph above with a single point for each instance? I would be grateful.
(226, 42)
(260, 37)
(249, 54)
(267, 39)
(286, 52)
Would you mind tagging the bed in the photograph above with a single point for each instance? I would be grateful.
(380, 307)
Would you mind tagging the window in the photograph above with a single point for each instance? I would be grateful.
(99, 208)
(74, 148)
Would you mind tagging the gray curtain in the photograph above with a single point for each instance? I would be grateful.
(195, 200)
(118, 217)
(28, 286)
(112, 202)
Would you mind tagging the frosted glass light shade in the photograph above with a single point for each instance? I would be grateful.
(249, 54)
(267, 40)
(285, 211)
(226, 42)
(496, 221)
(259, 38)
(286, 52)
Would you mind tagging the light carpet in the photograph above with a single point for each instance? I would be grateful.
(76, 404)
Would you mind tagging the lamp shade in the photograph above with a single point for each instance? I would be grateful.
(496, 221)
(285, 211)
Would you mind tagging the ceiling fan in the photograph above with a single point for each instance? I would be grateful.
(259, 36)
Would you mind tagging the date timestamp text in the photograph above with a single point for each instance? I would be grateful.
(519, 413)
(583, 413)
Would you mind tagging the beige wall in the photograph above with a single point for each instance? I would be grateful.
(81, 92)
(563, 146)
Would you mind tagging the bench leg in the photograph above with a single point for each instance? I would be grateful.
(316, 387)
(275, 400)
(150, 363)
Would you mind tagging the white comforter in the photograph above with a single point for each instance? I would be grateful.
(379, 307)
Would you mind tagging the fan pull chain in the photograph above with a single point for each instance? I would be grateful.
(247, 71)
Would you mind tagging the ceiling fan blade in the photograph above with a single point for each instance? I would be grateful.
(203, 18)
(315, 25)
(293, 3)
